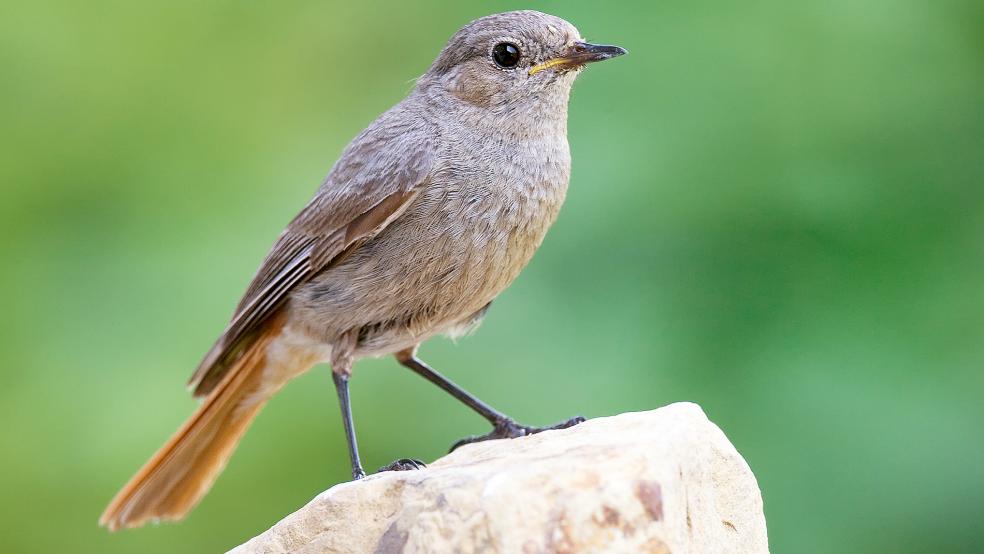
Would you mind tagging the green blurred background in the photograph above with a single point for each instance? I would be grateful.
(776, 211)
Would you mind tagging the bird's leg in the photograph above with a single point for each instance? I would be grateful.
(341, 386)
(341, 366)
(503, 426)
(403, 464)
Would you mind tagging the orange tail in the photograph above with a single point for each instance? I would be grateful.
(169, 485)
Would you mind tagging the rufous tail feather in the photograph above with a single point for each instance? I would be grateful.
(169, 485)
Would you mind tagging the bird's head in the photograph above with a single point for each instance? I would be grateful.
(508, 58)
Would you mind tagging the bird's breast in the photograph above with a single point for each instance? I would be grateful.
(481, 220)
(463, 240)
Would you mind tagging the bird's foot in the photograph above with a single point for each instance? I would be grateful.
(403, 464)
(509, 429)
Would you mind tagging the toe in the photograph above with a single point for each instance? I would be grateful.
(403, 464)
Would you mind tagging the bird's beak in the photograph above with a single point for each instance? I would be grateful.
(578, 54)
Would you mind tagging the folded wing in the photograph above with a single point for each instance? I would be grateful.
(375, 180)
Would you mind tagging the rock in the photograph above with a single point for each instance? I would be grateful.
(664, 481)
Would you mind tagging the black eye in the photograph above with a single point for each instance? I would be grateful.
(506, 54)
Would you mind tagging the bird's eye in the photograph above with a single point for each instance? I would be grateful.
(506, 54)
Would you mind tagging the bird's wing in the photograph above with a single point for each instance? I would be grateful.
(373, 182)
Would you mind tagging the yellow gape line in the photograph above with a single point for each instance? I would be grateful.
(547, 65)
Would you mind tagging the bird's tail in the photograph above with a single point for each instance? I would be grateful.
(169, 485)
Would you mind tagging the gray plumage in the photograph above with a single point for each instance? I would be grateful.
(429, 214)
(476, 157)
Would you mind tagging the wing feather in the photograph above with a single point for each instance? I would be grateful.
(374, 181)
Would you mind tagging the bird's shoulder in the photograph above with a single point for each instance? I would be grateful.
(395, 154)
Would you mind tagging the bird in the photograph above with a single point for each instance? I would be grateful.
(427, 215)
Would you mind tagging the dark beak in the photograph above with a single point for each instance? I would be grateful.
(585, 52)
(579, 54)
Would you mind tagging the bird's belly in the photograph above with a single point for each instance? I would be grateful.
(430, 271)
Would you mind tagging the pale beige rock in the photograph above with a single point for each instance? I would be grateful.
(664, 481)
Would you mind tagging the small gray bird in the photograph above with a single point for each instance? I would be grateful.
(428, 215)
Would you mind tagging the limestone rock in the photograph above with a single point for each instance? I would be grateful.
(664, 481)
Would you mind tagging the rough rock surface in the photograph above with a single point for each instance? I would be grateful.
(664, 481)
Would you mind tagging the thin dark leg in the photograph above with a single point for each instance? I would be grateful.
(420, 368)
(503, 426)
(341, 385)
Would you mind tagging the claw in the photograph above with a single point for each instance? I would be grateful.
(509, 429)
(403, 464)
